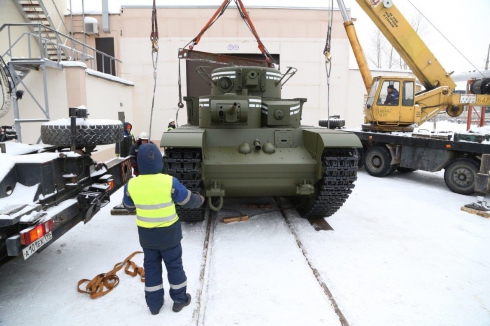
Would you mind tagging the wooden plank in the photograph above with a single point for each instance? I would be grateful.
(476, 212)
(227, 220)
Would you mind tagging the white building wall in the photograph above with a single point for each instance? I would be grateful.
(298, 36)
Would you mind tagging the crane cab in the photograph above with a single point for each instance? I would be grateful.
(390, 105)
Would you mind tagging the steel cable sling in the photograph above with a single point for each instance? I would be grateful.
(328, 58)
(212, 20)
(154, 57)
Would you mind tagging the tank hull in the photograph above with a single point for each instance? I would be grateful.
(295, 159)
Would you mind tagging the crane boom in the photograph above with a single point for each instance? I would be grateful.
(367, 78)
(407, 43)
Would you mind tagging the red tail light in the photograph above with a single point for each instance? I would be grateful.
(30, 235)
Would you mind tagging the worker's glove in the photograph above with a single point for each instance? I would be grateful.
(202, 200)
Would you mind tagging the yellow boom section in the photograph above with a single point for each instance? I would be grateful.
(407, 43)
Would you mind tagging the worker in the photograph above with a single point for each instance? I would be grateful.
(143, 138)
(171, 125)
(123, 147)
(392, 97)
(153, 195)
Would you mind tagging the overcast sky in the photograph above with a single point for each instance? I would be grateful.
(464, 23)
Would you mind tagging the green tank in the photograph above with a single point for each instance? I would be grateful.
(245, 140)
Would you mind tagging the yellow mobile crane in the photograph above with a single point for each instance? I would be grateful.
(411, 109)
(401, 109)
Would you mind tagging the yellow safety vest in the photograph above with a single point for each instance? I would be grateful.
(152, 196)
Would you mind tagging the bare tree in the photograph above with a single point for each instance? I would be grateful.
(383, 55)
(377, 44)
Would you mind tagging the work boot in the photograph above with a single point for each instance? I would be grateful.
(156, 312)
(120, 206)
(178, 306)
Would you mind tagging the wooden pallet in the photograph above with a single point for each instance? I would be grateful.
(476, 212)
(235, 219)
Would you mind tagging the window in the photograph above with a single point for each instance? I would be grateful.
(104, 63)
(389, 93)
(372, 93)
(408, 93)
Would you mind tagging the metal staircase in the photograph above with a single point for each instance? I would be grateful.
(34, 11)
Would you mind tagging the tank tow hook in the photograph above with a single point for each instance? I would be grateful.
(215, 191)
(305, 188)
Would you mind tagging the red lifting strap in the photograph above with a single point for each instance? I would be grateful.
(215, 17)
(246, 18)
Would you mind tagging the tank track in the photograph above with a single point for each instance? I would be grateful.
(185, 165)
(334, 188)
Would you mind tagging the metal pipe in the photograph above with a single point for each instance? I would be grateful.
(16, 107)
(71, 29)
(488, 54)
(46, 102)
(84, 34)
(105, 16)
(40, 38)
(343, 10)
(10, 42)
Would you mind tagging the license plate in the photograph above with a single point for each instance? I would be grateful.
(36, 245)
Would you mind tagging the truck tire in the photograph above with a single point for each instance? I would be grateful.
(334, 123)
(377, 161)
(393, 169)
(102, 133)
(405, 170)
(460, 176)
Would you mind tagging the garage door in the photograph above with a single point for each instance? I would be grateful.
(196, 86)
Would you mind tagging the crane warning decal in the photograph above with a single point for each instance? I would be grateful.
(467, 98)
(391, 19)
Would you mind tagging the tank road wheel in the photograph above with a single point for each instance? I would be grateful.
(334, 188)
(185, 165)
(102, 133)
(377, 161)
(460, 176)
(405, 170)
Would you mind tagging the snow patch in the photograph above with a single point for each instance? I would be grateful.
(73, 64)
(109, 77)
(82, 122)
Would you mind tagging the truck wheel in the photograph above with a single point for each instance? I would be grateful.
(334, 123)
(460, 176)
(393, 169)
(360, 155)
(405, 170)
(377, 161)
(100, 133)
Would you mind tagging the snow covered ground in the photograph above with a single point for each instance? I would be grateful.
(401, 253)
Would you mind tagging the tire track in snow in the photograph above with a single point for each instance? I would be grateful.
(199, 311)
(285, 214)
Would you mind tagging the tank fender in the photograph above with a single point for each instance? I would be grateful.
(182, 137)
(316, 140)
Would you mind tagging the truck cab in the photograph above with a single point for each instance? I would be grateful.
(391, 100)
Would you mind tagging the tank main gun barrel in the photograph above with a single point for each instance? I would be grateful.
(232, 108)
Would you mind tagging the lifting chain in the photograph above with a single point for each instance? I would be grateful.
(154, 57)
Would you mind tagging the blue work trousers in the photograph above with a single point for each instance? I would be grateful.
(153, 276)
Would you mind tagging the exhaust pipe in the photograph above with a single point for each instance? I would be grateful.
(257, 145)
